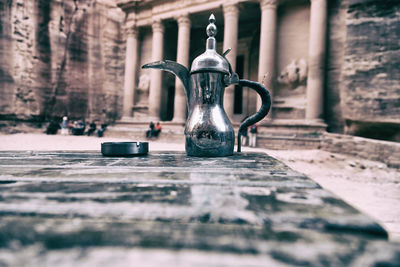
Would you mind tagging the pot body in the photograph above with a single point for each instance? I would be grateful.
(208, 131)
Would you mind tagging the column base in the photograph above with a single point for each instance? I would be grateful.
(179, 121)
(153, 119)
(126, 118)
(315, 121)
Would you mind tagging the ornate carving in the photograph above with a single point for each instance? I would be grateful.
(230, 10)
(158, 26)
(268, 4)
(294, 74)
(142, 90)
(144, 82)
(183, 20)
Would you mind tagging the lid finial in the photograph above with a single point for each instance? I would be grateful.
(211, 28)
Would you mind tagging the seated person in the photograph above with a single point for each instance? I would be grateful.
(92, 128)
(53, 127)
(150, 132)
(100, 132)
(157, 129)
(79, 128)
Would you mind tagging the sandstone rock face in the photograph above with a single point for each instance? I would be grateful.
(61, 57)
(371, 77)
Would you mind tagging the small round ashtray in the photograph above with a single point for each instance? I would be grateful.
(124, 149)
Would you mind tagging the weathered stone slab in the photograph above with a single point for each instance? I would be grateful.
(167, 208)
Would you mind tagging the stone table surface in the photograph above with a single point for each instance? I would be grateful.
(83, 209)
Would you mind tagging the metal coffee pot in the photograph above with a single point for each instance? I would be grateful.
(208, 130)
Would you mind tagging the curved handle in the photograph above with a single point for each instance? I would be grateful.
(261, 113)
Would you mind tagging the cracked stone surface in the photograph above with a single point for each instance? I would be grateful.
(83, 209)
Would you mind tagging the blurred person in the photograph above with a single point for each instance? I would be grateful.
(53, 127)
(70, 126)
(150, 132)
(92, 128)
(243, 137)
(253, 136)
(100, 132)
(79, 127)
(157, 129)
(64, 126)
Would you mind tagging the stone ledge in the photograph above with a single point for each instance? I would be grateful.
(370, 149)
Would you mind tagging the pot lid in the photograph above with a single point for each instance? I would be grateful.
(210, 60)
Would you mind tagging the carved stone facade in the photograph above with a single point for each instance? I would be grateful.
(294, 47)
(255, 23)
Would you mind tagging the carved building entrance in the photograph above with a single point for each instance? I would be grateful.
(279, 43)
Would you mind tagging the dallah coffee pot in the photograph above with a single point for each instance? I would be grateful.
(208, 131)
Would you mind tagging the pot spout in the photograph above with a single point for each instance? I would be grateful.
(179, 70)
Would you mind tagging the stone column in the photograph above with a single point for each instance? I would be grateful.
(231, 23)
(155, 74)
(130, 70)
(182, 57)
(316, 60)
(266, 63)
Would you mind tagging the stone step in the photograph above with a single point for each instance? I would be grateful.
(273, 134)
(282, 112)
(291, 127)
(285, 126)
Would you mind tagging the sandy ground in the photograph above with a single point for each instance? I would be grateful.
(369, 186)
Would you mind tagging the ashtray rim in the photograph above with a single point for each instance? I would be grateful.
(124, 149)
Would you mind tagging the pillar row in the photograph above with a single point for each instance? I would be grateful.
(316, 60)
(182, 57)
(156, 75)
(266, 64)
(231, 23)
(130, 70)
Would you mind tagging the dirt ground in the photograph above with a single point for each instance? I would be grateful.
(369, 186)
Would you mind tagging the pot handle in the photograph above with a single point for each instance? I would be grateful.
(261, 113)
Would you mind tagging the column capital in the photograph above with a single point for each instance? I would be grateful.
(157, 26)
(231, 9)
(131, 31)
(183, 20)
(268, 4)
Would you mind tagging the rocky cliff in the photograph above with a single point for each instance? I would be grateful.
(61, 57)
(371, 77)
